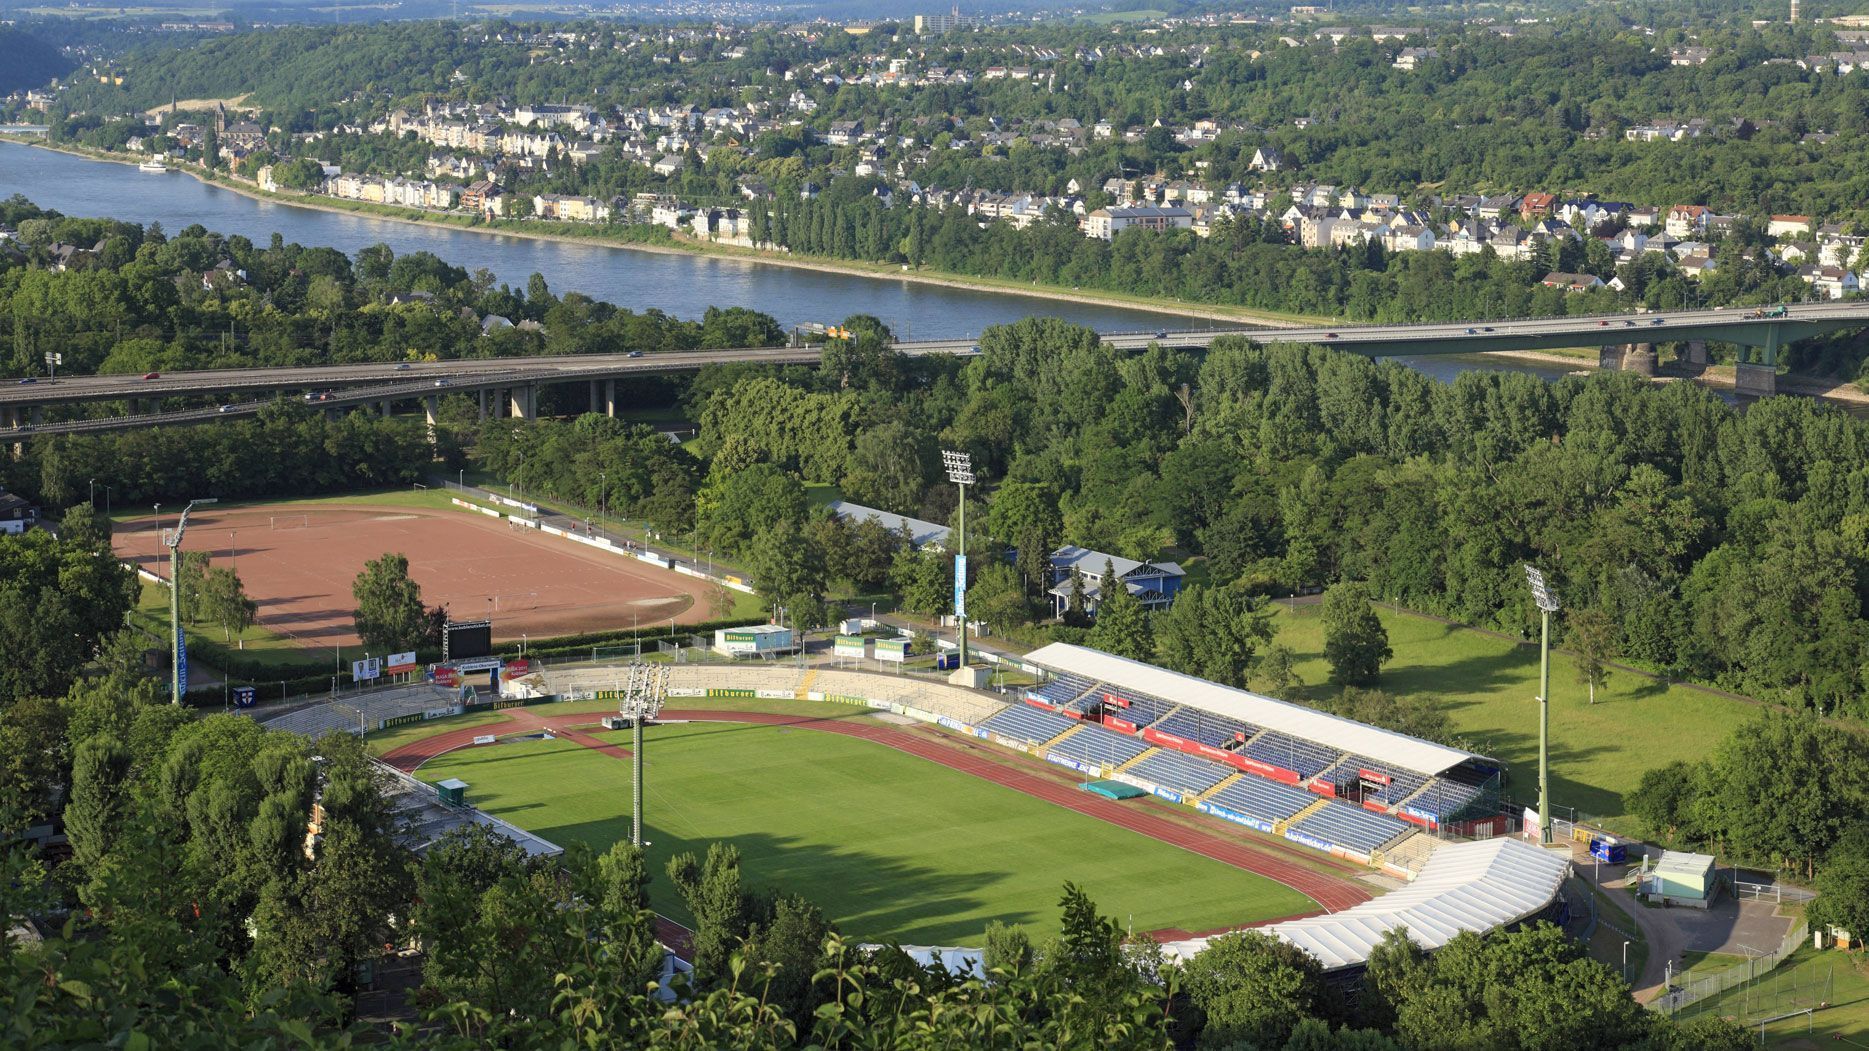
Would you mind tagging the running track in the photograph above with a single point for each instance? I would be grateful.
(1335, 893)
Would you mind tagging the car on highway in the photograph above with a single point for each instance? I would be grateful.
(225, 408)
(152, 375)
(635, 353)
(443, 382)
(402, 366)
(1161, 333)
(1330, 335)
(1473, 332)
(318, 395)
(1603, 323)
(28, 380)
(1487, 328)
(1659, 321)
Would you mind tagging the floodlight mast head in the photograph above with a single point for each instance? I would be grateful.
(181, 526)
(1541, 594)
(959, 466)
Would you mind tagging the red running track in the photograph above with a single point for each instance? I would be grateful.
(1334, 893)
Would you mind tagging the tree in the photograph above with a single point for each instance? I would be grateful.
(1076, 603)
(719, 902)
(1213, 633)
(99, 800)
(224, 601)
(1667, 800)
(390, 616)
(1276, 672)
(1843, 887)
(997, 597)
(1122, 625)
(1355, 643)
(1252, 989)
(1007, 949)
(1592, 635)
(788, 566)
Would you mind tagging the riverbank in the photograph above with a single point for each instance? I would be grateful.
(946, 304)
(677, 244)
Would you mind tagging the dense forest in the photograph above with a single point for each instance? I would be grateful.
(26, 61)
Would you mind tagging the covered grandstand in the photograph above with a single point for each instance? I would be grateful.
(1347, 787)
(1464, 887)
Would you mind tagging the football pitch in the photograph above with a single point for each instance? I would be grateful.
(891, 846)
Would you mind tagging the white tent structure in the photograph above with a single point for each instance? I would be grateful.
(1463, 887)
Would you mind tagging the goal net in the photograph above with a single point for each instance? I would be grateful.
(278, 522)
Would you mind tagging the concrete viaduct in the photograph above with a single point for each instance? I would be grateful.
(510, 386)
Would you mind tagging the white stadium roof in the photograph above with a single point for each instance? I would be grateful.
(1387, 746)
(1463, 887)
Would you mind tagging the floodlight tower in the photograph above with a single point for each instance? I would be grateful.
(960, 471)
(178, 654)
(1547, 605)
(645, 687)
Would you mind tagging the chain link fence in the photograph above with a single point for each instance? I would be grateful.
(1789, 992)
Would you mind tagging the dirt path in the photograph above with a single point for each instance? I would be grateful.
(1333, 893)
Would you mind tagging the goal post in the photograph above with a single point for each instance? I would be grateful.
(278, 522)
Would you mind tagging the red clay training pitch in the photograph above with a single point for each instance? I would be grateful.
(298, 562)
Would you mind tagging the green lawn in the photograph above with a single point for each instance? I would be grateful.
(1598, 752)
(890, 845)
(1809, 977)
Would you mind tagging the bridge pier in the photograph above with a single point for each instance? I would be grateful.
(1609, 358)
(431, 408)
(610, 398)
(525, 401)
(1752, 380)
(596, 392)
(384, 408)
(1640, 359)
(1695, 353)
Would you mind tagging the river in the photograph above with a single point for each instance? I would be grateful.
(679, 284)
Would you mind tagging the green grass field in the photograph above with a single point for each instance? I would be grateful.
(1598, 752)
(891, 846)
(1809, 977)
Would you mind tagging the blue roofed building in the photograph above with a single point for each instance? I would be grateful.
(1155, 584)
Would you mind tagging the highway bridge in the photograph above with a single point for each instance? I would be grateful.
(509, 386)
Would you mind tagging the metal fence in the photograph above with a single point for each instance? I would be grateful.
(1674, 1000)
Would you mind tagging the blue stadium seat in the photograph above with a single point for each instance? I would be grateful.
(1095, 745)
(1352, 827)
(1022, 722)
(1267, 800)
(1196, 725)
(1180, 771)
(1290, 753)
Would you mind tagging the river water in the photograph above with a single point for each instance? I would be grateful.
(679, 284)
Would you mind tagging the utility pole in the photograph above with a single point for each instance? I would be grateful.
(1547, 605)
(960, 471)
(645, 687)
(178, 654)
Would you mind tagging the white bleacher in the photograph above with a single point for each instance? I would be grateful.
(1022, 722)
(1351, 826)
(1266, 800)
(340, 716)
(1180, 771)
(1096, 745)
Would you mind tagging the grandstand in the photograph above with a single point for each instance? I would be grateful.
(1463, 887)
(377, 706)
(1021, 722)
(1381, 782)
(1267, 802)
(1096, 747)
(1178, 772)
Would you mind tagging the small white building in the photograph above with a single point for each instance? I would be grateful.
(754, 640)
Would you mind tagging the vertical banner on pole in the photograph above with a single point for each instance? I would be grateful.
(181, 659)
(960, 586)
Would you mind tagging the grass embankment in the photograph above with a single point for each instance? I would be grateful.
(890, 845)
(1598, 752)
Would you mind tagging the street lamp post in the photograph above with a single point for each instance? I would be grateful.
(960, 471)
(1547, 605)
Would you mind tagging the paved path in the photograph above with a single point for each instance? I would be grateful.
(1333, 892)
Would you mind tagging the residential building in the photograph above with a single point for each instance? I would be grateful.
(1154, 584)
(1106, 223)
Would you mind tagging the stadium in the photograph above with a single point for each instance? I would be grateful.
(917, 811)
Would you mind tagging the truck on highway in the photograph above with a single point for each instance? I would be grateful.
(1764, 312)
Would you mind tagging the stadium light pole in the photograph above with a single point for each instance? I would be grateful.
(960, 471)
(1547, 605)
(177, 655)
